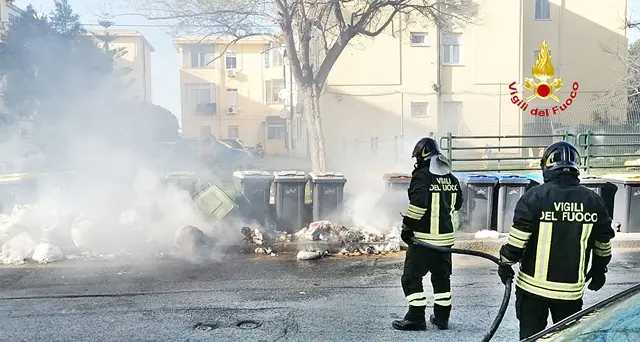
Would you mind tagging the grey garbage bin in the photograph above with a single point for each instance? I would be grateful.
(255, 186)
(510, 189)
(626, 206)
(397, 181)
(594, 183)
(478, 194)
(183, 180)
(289, 199)
(328, 190)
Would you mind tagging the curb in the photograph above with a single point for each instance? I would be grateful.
(484, 245)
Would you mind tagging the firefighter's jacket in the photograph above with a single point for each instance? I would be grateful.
(433, 199)
(556, 226)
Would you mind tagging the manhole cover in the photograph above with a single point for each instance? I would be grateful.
(247, 324)
(205, 326)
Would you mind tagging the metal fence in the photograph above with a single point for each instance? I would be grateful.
(510, 153)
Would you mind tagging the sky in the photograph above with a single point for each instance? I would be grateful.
(165, 72)
(165, 67)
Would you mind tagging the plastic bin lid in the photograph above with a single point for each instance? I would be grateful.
(591, 179)
(252, 174)
(625, 178)
(290, 175)
(535, 176)
(396, 176)
(481, 179)
(513, 179)
(326, 175)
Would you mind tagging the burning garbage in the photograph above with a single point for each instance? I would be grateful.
(314, 241)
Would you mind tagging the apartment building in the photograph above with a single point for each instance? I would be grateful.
(8, 10)
(134, 60)
(241, 90)
(415, 79)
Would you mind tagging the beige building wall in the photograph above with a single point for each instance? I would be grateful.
(231, 91)
(136, 55)
(385, 86)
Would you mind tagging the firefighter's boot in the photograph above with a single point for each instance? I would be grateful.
(440, 323)
(414, 320)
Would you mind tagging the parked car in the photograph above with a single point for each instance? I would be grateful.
(616, 318)
(256, 151)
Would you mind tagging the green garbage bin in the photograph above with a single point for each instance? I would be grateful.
(626, 206)
(213, 202)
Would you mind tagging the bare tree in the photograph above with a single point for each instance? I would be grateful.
(313, 32)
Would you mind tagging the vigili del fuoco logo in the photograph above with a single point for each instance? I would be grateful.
(543, 85)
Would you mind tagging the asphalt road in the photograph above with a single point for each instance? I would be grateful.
(248, 299)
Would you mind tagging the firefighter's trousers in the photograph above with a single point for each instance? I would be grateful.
(418, 262)
(533, 311)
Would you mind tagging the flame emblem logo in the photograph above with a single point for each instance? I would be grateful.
(543, 71)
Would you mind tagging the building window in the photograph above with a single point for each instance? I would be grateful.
(276, 132)
(272, 90)
(233, 132)
(543, 10)
(418, 39)
(420, 109)
(232, 97)
(200, 98)
(272, 56)
(451, 48)
(198, 56)
(231, 61)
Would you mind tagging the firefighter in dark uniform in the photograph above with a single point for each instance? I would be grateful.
(434, 195)
(556, 227)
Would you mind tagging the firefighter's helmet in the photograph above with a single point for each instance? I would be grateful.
(560, 156)
(425, 148)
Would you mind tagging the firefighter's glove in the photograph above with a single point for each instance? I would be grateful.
(505, 272)
(406, 235)
(597, 280)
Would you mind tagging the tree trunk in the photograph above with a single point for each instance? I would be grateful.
(314, 126)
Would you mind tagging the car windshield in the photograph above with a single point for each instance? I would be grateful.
(617, 321)
(234, 143)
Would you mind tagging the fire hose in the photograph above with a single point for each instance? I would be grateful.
(507, 287)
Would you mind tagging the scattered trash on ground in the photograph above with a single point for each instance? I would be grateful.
(487, 234)
(354, 242)
(17, 249)
(45, 253)
(311, 255)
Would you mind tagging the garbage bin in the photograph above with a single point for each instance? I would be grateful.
(510, 189)
(289, 198)
(397, 181)
(213, 202)
(535, 178)
(183, 180)
(255, 187)
(626, 206)
(328, 190)
(478, 195)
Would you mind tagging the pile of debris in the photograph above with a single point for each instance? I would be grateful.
(313, 241)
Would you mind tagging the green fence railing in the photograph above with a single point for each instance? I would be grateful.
(498, 157)
(609, 150)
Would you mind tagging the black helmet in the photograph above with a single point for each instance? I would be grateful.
(425, 148)
(560, 156)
